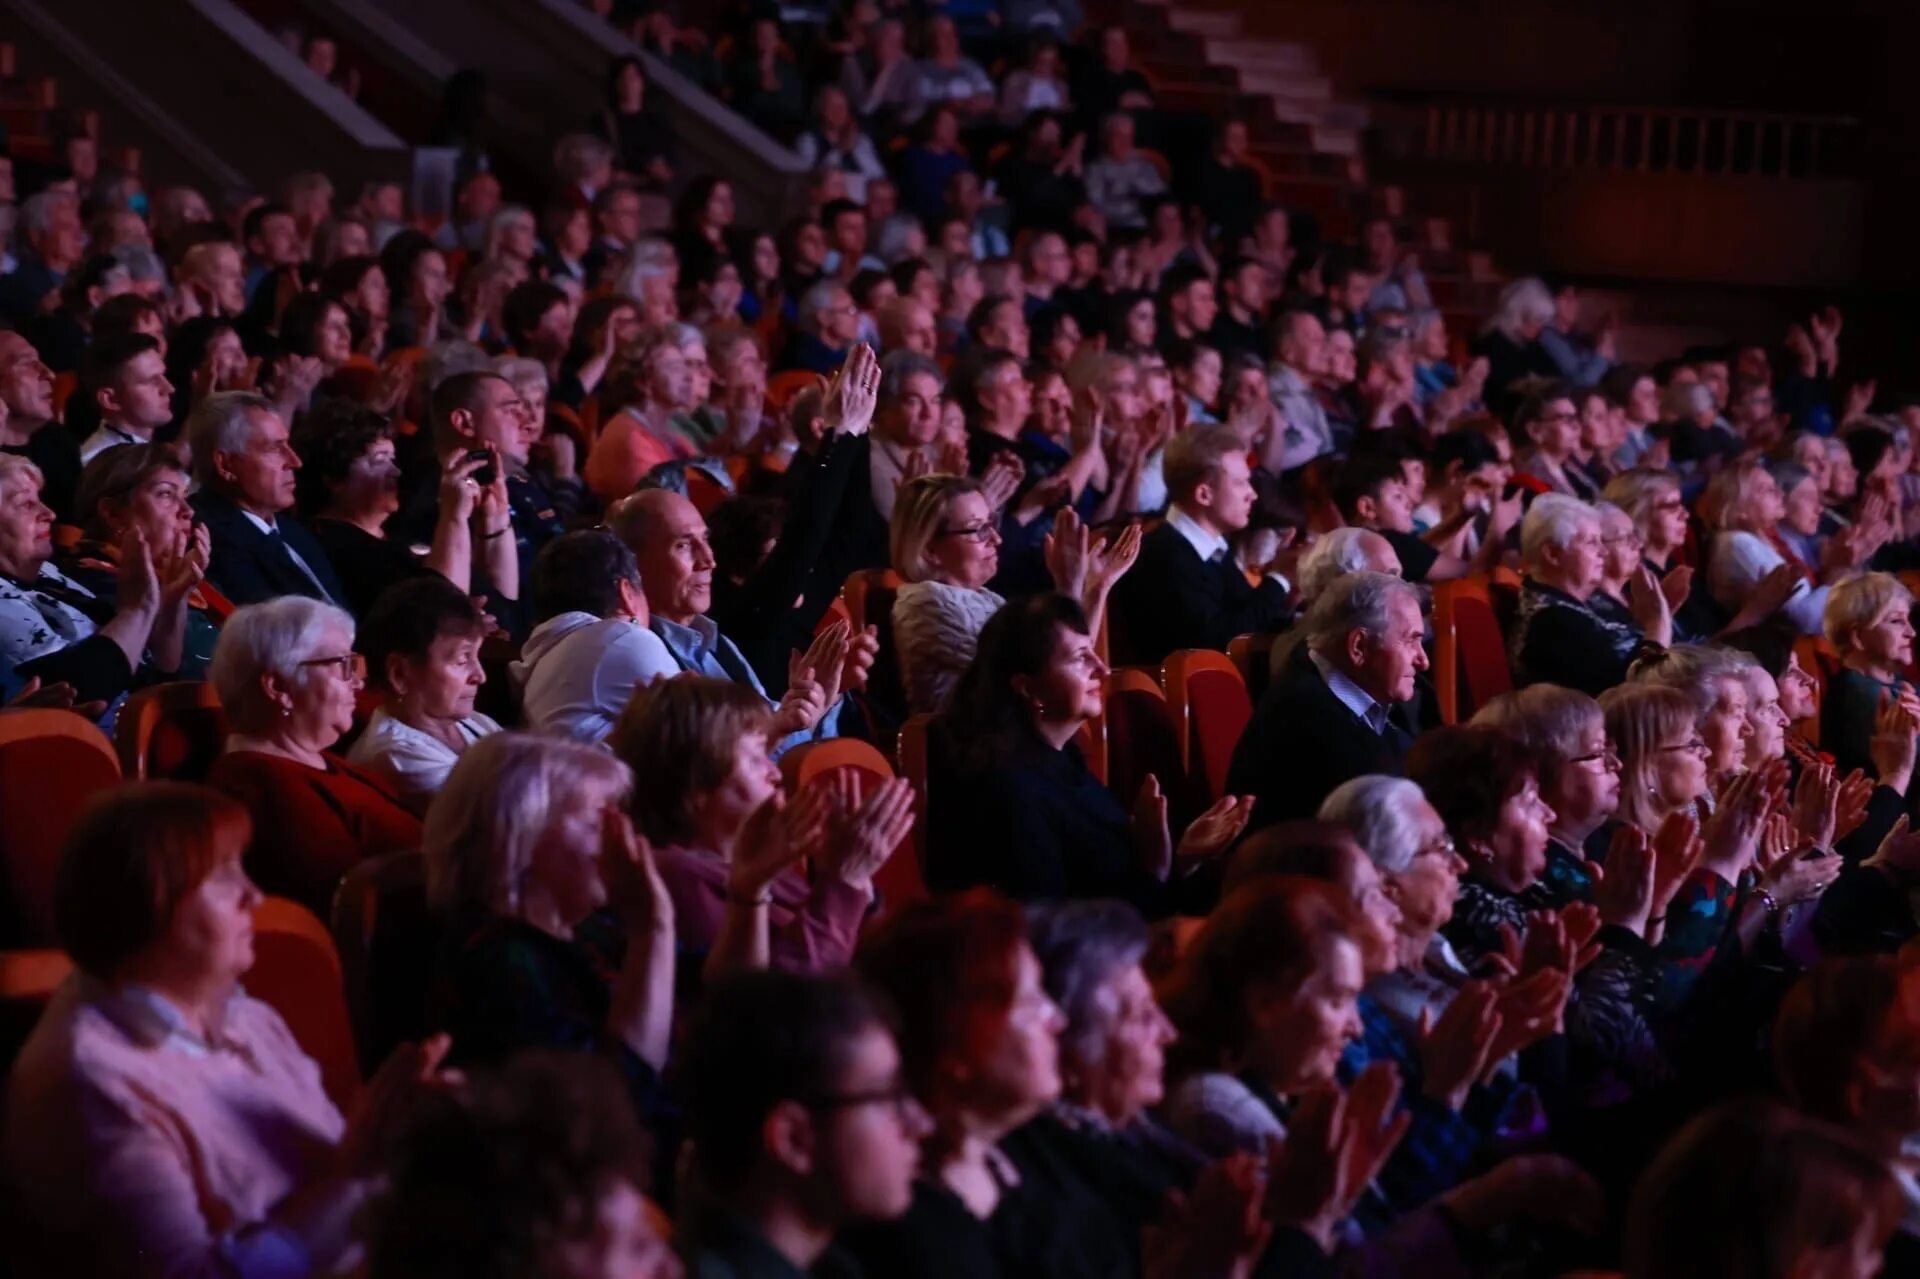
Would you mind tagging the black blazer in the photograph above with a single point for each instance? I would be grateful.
(1172, 599)
(247, 567)
(1303, 741)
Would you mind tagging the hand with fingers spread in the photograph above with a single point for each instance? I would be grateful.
(866, 833)
(1456, 1050)
(1896, 728)
(813, 681)
(1647, 601)
(1214, 831)
(1336, 1144)
(1856, 792)
(776, 837)
(1816, 805)
(1797, 879)
(1001, 480)
(1732, 834)
(1530, 1010)
(1111, 563)
(1677, 850)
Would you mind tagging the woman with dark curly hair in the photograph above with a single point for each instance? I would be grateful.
(349, 484)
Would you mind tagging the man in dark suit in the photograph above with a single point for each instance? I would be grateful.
(245, 467)
(1185, 591)
(1340, 707)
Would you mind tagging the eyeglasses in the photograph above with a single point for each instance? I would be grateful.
(1696, 745)
(1621, 539)
(351, 667)
(1607, 758)
(972, 533)
(1440, 845)
(894, 1095)
(1557, 419)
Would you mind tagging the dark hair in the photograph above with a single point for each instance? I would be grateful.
(119, 313)
(1471, 449)
(130, 857)
(678, 737)
(831, 211)
(409, 616)
(1617, 383)
(581, 572)
(458, 393)
(187, 348)
(760, 1039)
(1360, 477)
(485, 1187)
(906, 271)
(114, 473)
(257, 216)
(1467, 774)
(300, 323)
(614, 68)
(988, 719)
(332, 435)
(345, 274)
(1867, 445)
(1270, 931)
(693, 202)
(1533, 405)
(103, 360)
(739, 530)
(982, 314)
(1310, 849)
(596, 313)
(398, 257)
(1180, 277)
(1118, 306)
(941, 963)
(526, 305)
(1746, 1190)
(1768, 645)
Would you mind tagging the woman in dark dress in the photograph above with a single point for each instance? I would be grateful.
(349, 485)
(1011, 802)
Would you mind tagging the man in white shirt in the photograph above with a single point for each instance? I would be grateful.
(124, 376)
(590, 646)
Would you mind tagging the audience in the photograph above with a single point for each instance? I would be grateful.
(1434, 992)
(288, 679)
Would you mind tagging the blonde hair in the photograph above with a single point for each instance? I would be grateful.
(14, 468)
(1730, 493)
(918, 513)
(1637, 490)
(498, 802)
(1856, 602)
(1546, 719)
(1640, 718)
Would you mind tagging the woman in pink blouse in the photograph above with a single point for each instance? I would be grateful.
(160, 1122)
(709, 797)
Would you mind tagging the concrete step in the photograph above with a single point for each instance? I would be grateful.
(1280, 55)
(1213, 26)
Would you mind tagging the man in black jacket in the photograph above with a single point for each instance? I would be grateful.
(244, 466)
(1339, 707)
(1186, 591)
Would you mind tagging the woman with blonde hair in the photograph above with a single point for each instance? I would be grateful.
(1744, 506)
(542, 890)
(1869, 620)
(946, 545)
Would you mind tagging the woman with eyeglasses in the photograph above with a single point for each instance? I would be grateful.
(55, 630)
(1745, 506)
(288, 679)
(1011, 803)
(1559, 634)
(1551, 424)
(946, 545)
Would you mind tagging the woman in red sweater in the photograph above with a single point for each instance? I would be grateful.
(286, 673)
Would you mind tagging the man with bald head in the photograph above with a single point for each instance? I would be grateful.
(907, 324)
(27, 428)
(668, 538)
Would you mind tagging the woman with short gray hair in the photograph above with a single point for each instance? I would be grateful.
(1511, 342)
(1558, 636)
(288, 681)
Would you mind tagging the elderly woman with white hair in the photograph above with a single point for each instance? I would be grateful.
(1715, 679)
(55, 630)
(1558, 636)
(1342, 551)
(556, 931)
(287, 676)
(1511, 341)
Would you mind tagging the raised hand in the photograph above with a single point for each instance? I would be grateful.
(1069, 554)
(1896, 728)
(854, 392)
(1677, 585)
(1530, 1011)
(1001, 480)
(459, 489)
(1117, 557)
(774, 838)
(1214, 1230)
(863, 649)
(1647, 600)
(801, 708)
(138, 584)
(1732, 834)
(1214, 831)
(1677, 850)
(390, 1100)
(823, 665)
(181, 569)
(1456, 1050)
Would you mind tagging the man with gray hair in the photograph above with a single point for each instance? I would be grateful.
(1341, 702)
(829, 325)
(244, 467)
(1345, 550)
(54, 242)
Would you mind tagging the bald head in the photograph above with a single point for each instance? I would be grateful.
(668, 537)
(907, 324)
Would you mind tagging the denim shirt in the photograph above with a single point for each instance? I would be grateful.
(702, 650)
